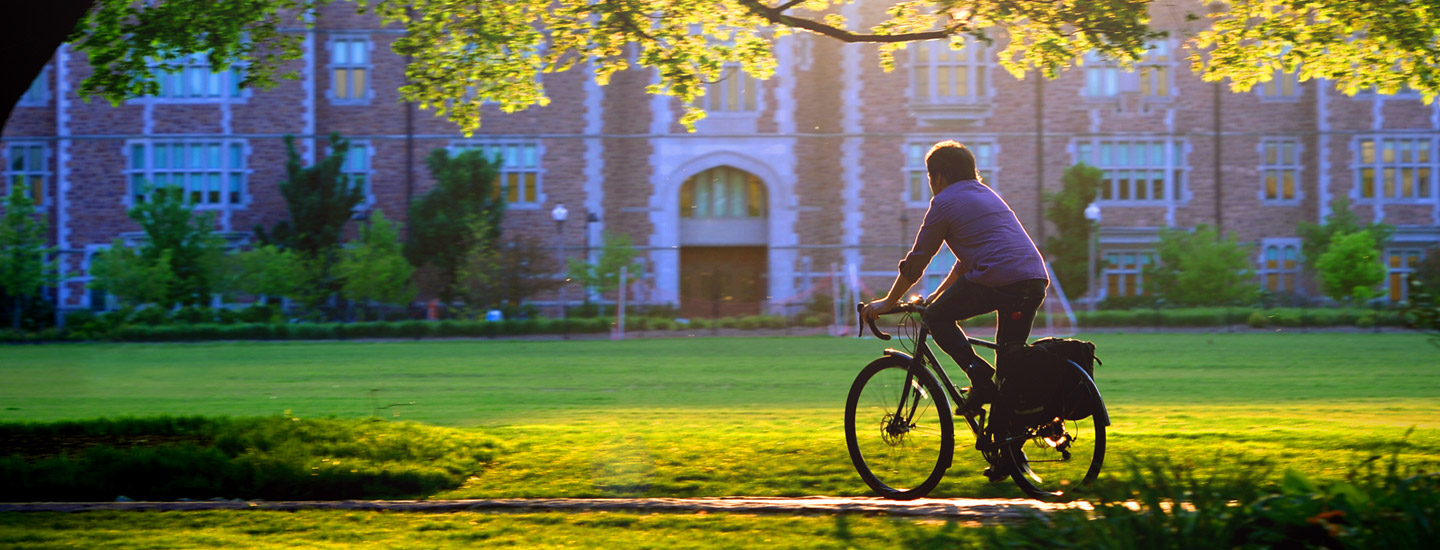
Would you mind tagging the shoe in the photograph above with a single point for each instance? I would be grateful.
(977, 396)
(997, 473)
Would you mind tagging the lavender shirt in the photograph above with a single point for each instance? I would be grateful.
(988, 241)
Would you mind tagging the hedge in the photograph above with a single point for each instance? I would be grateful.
(1140, 318)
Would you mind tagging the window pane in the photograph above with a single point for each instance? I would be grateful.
(527, 156)
(922, 81)
(529, 188)
(212, 157)
(942, 81)
(197, 156)
(687, 199)
(34, 157)
(512, 188)
(1271, 185)
(1407, 182)
(1388, 182)
(962, 82)
(750, 92)
(342, 52)
(1289, 188)
(236, 152)
(1422, 185)
(702, 196)
(359, 53)
(1367, 182)
(1387, 152)
(137, 157)
(1367, 151)
(738, 189)
(342, 83)
(357, 83)
(234, 188)
(756, 200)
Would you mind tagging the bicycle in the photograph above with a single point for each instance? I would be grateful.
(907, 441)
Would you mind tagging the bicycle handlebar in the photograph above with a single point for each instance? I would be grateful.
(905, 307)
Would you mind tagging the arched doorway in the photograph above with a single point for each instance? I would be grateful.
(723, 240)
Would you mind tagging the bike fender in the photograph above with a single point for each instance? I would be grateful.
(892, 352)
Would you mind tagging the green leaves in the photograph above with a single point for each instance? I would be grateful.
(1200, 268)
(1350, 267)
(24, 264)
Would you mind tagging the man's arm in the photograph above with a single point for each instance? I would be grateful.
(882, 306)
(955, 274)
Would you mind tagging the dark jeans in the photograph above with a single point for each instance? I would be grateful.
(1015, 303)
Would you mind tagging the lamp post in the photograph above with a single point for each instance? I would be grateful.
(1092, 213)
(559, 214)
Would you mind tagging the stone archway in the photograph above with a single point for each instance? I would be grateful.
(724, 239)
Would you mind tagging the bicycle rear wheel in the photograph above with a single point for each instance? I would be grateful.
(900, 452)
(1050, 456)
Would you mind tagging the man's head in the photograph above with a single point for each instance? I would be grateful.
(949, 162)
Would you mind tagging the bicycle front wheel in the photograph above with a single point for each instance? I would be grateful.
(1051, 456)
(900, 434)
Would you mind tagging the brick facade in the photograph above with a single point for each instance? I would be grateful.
(827, 139)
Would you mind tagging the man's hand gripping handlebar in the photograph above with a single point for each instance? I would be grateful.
(915, 305)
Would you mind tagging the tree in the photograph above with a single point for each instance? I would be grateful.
(462, 212)
(266, 271)
(24, 267)
(188, 243)
(1200, 268)
(1069, 251)
(1350, 267)
(122, 271)
(1316, 238)
(375, 270)
(604, 275)
(466, 53)
(321, 200)
(503, 275)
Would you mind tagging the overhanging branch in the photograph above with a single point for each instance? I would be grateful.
(777, 15)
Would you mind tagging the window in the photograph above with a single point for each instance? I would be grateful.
(519, 169)
(1123, 273)
(356, 168)
(1279, 170)
(1400, 263)
(25, 165)
(1151, 77)
(722, 192)
(1395, 168)
(349, 69)
(1282, 85)
(735, 92)
(38, 94)
(942, 75)
(917, 184)
(191, 78)
(1280, 267)
(210, 173)
(936, 272)
(1102, 78)
(1136, 171)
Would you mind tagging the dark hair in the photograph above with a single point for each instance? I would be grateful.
(951, 159)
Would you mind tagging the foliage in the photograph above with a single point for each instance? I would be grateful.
(1164, 505)
(179, 262)
(464, 54)
(24, 267)
(269, 458)
(1350, 267)
(506, 274)
(320, 201)
(604, 275)
(122, 40)
(458, 217)
(1200, 268)
(266, 271)
(1069, 250)
(375, 269)
(1316, 238)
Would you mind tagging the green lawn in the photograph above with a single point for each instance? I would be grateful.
(752, 416)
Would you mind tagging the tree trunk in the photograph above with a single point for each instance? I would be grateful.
(30, 32)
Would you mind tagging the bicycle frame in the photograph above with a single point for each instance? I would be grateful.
(922, 354)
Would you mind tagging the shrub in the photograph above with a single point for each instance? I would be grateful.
(270, 458)
(727, 322)
(245, 331)
(269, 313)
(150, 316)
(194, 315)
(314, 331)
(1258, 319)
(697, 324)
(638, 323)
(661, 323)
(748, 322)
(810, 320)
(413, 329)
(1367, 319)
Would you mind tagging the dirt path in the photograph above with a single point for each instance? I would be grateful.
(984, 511)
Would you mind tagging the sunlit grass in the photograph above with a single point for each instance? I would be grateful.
(330, 529)
(753, 416)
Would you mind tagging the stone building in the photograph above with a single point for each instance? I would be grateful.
(816, 169)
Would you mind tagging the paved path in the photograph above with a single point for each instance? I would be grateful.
(988, 511)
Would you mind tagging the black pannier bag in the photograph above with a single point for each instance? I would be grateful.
(1038, 379)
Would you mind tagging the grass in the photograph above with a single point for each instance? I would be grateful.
(753, 416)
(322, 529)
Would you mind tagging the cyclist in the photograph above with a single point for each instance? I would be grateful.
(997, 267)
